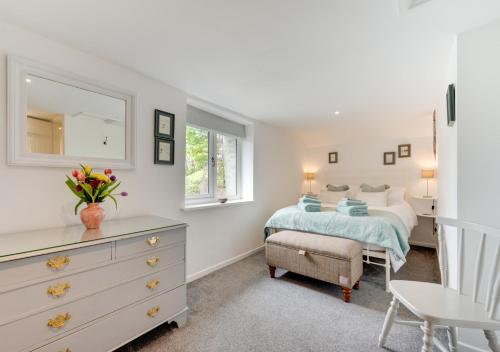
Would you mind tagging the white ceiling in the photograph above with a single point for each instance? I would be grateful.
(289, 62)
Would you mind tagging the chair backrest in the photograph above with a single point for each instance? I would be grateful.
(486, 274)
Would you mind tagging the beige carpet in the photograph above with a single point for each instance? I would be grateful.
(239, 308)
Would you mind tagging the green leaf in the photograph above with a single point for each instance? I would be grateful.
(72, 186)
(114, 200)
(115, 186)
(78, 205)
(89, 191)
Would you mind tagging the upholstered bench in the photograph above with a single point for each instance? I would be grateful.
(331, 259)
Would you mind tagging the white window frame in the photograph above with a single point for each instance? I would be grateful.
(212, 167)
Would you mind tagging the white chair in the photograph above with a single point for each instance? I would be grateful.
(441, 307)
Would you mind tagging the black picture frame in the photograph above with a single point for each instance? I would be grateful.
(404, 151)
(450, 104)
(389, 158)
(159, 116)
(158, 144)
(333, 157)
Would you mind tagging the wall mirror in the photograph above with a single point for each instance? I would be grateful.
(58, 119)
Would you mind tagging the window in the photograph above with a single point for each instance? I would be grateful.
(196, 162)
(212, 165)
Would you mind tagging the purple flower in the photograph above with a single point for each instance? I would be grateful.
(113, 178)
(95, 183)
(79, 188)
(124, 194)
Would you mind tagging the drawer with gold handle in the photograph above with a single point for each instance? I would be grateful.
(152, 284)
(152, 262)
(59, 321)
(153, 241)
(153, 311)
(57, 263)
(58, 290)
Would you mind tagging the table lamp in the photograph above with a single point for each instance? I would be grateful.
(310, 176)
(427, 174)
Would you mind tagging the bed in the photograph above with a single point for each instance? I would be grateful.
(384, 234)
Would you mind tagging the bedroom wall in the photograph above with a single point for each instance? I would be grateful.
(447, 167)
(478, 146)
(362, 162)
(36, 197)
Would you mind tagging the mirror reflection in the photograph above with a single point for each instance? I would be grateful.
(67, 120)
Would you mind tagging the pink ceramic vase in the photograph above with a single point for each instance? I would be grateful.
(92, 216)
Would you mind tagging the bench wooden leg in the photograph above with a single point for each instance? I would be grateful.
(356, 285)
(272, 271)
(347, 294)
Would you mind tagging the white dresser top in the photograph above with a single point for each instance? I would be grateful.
(31, 243)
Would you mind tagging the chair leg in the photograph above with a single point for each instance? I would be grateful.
(492, 340)
(392, 312)
(428, 329)
(452, 339)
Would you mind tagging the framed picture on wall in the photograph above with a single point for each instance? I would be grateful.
(404, 150)
(389, 158)
(164, 151)
(333, 157)
(164, 124)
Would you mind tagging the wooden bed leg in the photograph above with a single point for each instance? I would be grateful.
(356, 285)
(347, 294)
(272, 271)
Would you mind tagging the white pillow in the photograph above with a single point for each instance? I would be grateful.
(353, 191)
(331, 197)
(395, 195)
(373, 199)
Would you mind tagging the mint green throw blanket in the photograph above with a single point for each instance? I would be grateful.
(381, 228)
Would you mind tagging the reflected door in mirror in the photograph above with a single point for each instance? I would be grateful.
(66, 120)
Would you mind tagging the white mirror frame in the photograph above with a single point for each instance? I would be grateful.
(18, 69)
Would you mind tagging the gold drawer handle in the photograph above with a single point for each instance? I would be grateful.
(65, 350)
(59, 289)
(59, 321)
(152, 262)
(154, 311)
(58, 262)
(153, 241)
(152, 284)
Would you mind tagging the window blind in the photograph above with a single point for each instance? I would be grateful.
(214, 122)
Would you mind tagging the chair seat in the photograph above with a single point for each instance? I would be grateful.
(442, 306)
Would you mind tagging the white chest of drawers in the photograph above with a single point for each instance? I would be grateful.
(71, 290)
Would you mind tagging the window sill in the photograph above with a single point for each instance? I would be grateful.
(192, 207)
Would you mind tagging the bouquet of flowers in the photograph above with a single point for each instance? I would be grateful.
(92, 187)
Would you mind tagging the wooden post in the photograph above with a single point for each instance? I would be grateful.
(272, 271)
(347, 294)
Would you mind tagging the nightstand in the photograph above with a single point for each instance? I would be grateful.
(424, 234)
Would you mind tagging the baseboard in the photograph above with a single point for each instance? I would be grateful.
(227, 262)
(465, 347)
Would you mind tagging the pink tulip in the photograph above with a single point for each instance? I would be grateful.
(108, 171)
(75, 173)
(80, 177)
